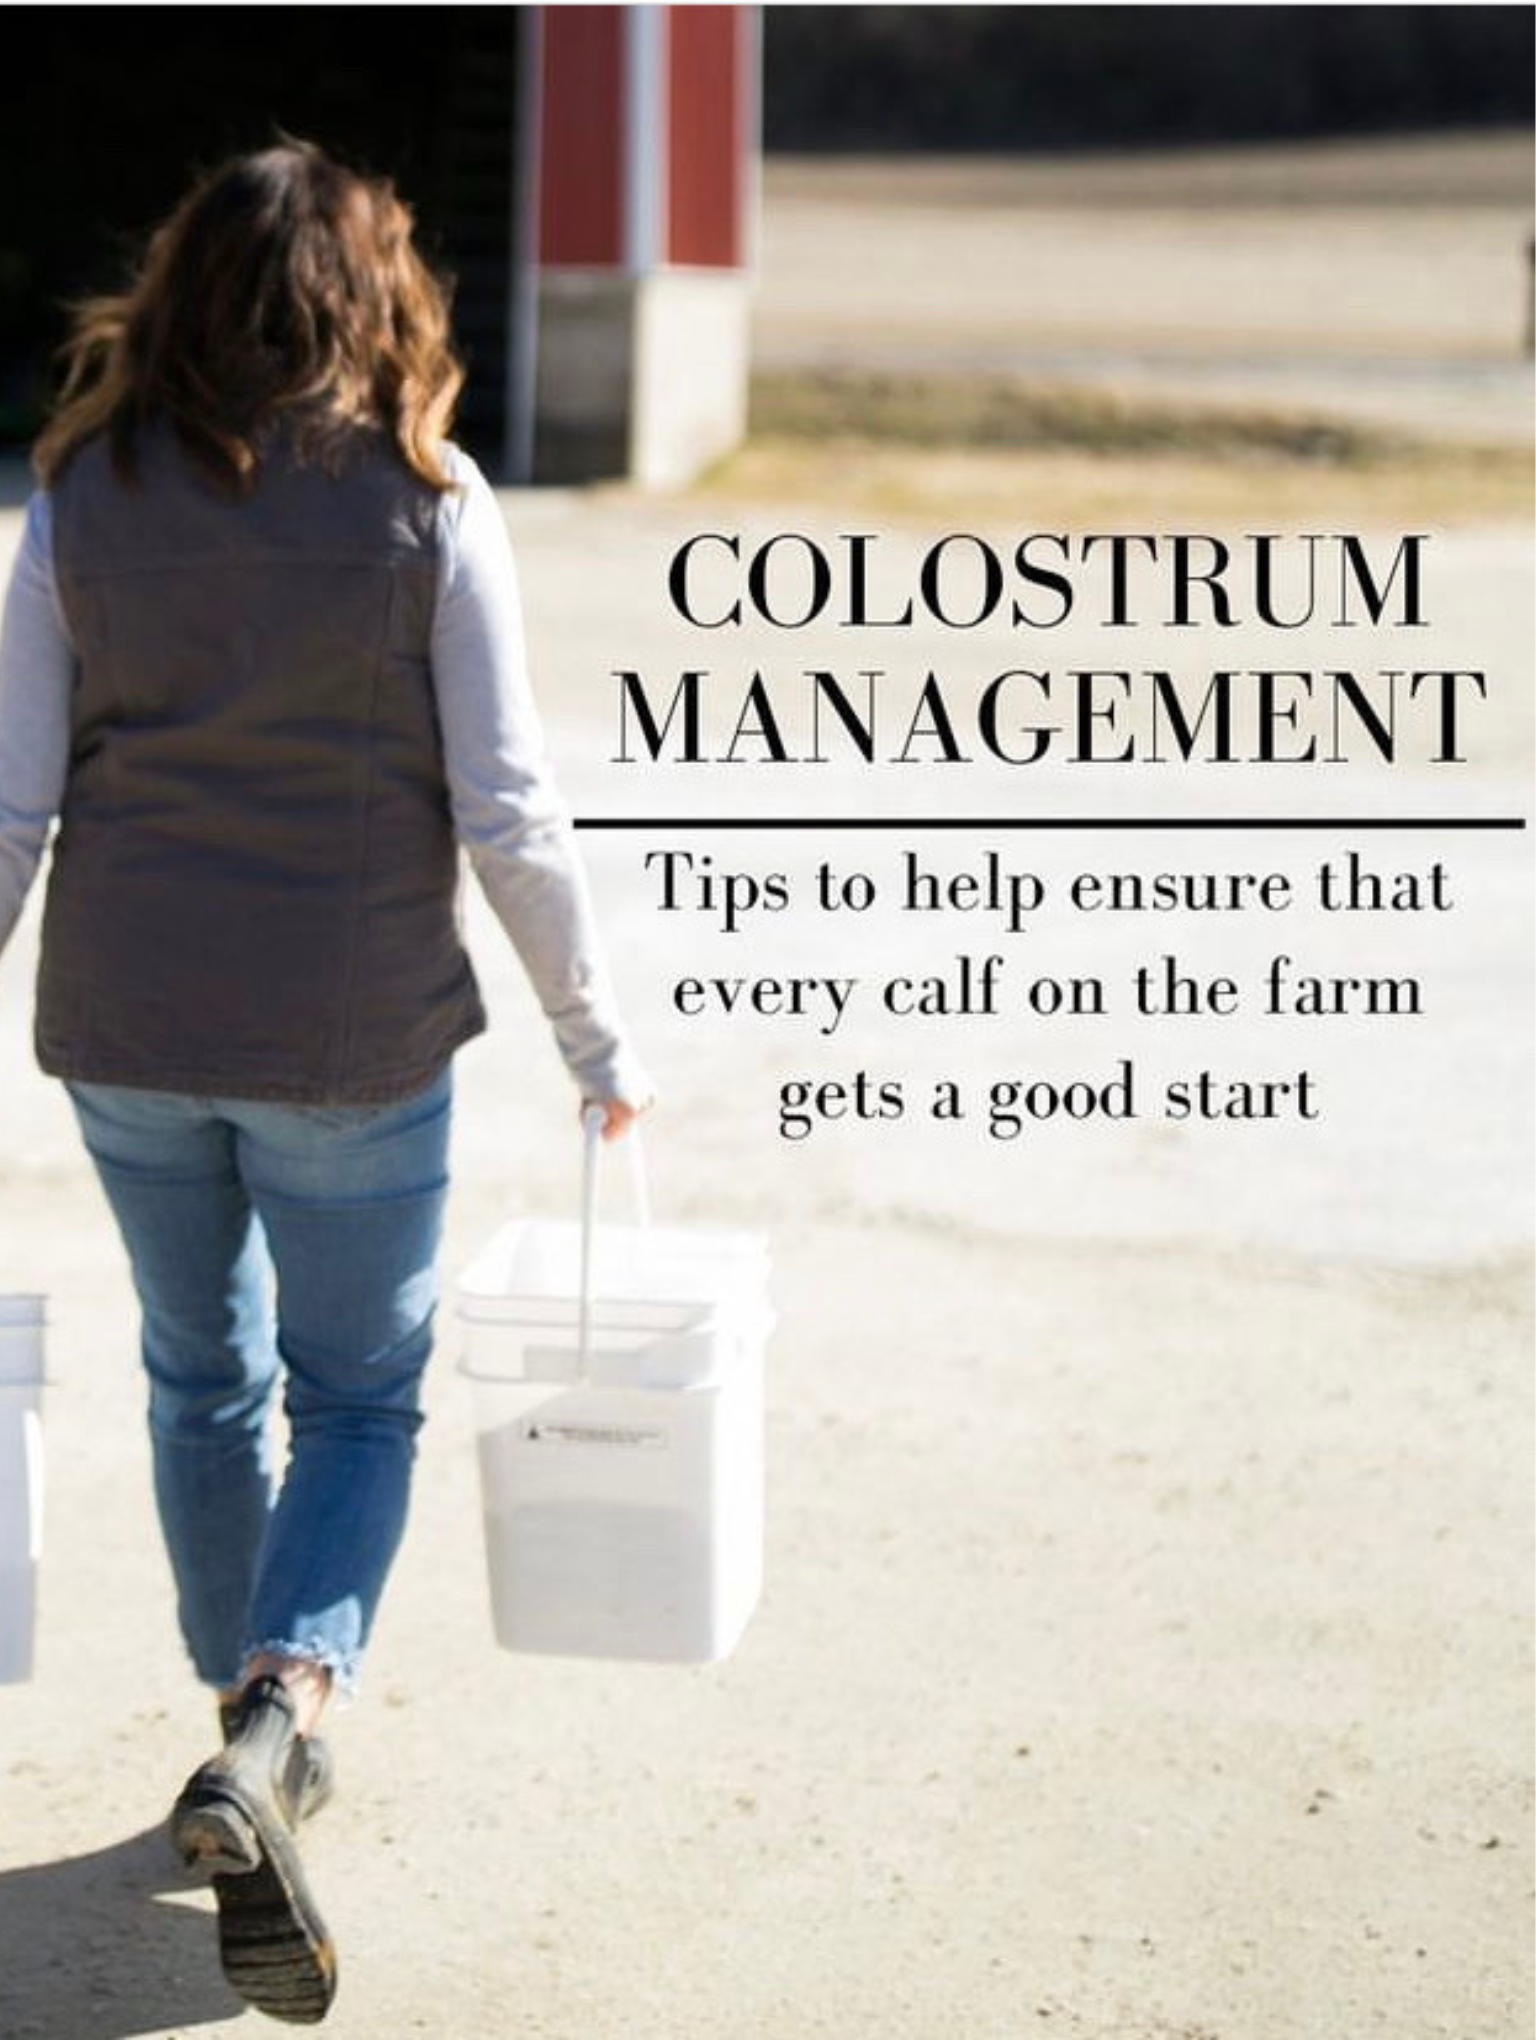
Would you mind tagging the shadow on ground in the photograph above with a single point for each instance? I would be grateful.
(107, 1946)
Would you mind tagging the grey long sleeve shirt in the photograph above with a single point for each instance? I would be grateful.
(507, 811)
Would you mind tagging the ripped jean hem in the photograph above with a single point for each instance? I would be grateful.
(344, 1666)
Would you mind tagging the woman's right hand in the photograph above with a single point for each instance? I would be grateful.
(618, 1117)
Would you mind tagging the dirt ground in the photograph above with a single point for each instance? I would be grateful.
(1144, 1647)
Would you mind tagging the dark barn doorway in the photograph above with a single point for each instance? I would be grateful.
(105, 113)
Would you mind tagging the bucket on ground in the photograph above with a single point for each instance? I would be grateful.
(21, 1480)
(618, 1374)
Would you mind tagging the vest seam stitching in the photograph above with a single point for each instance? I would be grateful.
(405, 556)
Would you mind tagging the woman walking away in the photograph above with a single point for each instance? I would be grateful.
(262, 658)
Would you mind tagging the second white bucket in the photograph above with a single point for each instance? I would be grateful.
(618, 1376)
(21, 1480)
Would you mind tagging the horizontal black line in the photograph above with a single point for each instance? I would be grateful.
(914, 823)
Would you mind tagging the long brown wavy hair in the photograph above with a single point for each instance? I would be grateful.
(284, 287)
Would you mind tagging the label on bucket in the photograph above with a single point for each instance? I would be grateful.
(546, 1431)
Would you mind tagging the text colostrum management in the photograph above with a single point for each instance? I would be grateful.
(1026, 713)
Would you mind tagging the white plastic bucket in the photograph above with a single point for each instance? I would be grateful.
(618, 1376)
(21, 1480)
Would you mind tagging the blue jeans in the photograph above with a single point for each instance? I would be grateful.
(278, 1243)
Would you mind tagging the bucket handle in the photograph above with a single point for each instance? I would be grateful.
(592, 1119)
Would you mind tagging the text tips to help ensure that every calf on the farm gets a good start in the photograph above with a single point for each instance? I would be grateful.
(1063, 992)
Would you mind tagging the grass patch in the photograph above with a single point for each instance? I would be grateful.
(1002, 413)
(919, 447)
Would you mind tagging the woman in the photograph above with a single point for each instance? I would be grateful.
(262, 658)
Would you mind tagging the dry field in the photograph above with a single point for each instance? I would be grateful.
(1341, 328)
